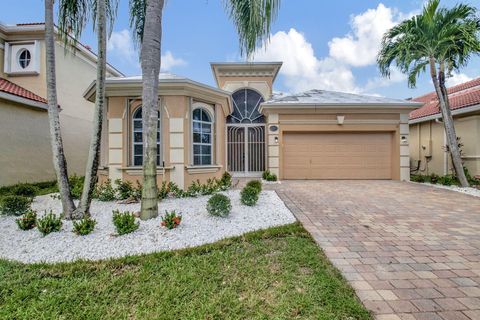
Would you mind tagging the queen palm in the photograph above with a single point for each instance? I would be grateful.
(442, 40)
(73, 16)
(252, 19)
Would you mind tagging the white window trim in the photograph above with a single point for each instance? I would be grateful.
(132, 139)
(211, 113)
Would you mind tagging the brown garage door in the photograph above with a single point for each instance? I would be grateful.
(353, 155)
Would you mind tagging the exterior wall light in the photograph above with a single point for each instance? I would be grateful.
(275, 139)
(340, 119)
(403, 139)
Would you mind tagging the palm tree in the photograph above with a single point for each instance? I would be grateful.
(443, 40)
(73, 16)
(252, 19)
(59, 161)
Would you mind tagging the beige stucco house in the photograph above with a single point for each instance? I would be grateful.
(428, 140)
(240, 127)
(25, 152)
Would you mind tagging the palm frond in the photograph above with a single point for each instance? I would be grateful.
(73, 16)
(111, 11)
(253, 20)
(137, 19)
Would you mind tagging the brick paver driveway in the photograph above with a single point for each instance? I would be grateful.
(410, 251)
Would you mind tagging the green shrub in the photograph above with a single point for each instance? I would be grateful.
(124, 189)
(194, 189)
(49, 223)
(15, 205)
(27, 221)
(84, 226)
(76, 186)
(210, 187)
(256, 184)
(268, 176)
(124, 222)
(448, 180)
(105, 191)
(433, 178)
(249, 196)
(225, 181)
(170, 189)
(137, 191)
(219, 205)
(171, 219)
(25, 189)
(417, 178)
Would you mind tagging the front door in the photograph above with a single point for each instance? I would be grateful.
(246, 149)
(246, 134)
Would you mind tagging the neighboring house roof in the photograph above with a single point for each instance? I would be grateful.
(332, 98)
(39, 26)
(12, 91)
(461, 97)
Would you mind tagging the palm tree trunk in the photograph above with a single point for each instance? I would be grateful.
(59, 161)
(150, 59)
(94, 152)
(452, 142)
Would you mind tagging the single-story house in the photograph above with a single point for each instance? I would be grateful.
(427, 137)
(240, 127)
(25, 145)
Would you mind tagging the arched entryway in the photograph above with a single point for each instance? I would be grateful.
(246, 134)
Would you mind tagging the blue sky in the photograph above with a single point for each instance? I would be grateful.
(324, 44)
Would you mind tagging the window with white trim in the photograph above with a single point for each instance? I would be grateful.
(137, 138)
(202, 140)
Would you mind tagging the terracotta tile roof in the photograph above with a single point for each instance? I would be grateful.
(11, 88)
(30, 24)
(460, 96)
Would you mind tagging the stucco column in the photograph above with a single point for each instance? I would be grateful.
(273, 147)
(404, 148)
(115, 148)
(177, 151)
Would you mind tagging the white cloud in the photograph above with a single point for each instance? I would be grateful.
(457, 78)
(169, 61)
(121, 46)
(359, 47)
(301, 68)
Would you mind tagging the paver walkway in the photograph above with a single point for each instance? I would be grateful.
(410, 251)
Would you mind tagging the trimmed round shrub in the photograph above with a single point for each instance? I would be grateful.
(219, 205)
(84, 226)
(15, 205)
(124, 222)
(49, 223)
(27, 221)
(24, 189)
(249, 196)
(256, 184)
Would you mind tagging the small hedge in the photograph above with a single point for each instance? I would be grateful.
(249, 195)
(49, 223)
(124, 222)
(15, 205)
(256, 184)
(219, 205)
(25, 189)
(268, 176)
(84, 226)
(105, 191)
(27, 221)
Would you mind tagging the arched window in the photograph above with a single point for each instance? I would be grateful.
(202, 130)
(245, 107)
(137, 141)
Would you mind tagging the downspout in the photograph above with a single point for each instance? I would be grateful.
(445, 152)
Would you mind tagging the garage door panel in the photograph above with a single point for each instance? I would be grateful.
(337, 155)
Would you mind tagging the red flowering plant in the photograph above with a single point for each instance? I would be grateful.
(171, 219)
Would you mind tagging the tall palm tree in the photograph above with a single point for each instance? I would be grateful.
(73, 16)
(252, 19)
(442, 40)
(59, 160)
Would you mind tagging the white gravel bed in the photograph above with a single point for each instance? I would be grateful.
(197, 228)
(469, 190)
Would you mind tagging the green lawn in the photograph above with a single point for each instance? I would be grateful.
(278, 273)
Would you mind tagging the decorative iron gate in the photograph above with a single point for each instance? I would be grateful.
(246, 149)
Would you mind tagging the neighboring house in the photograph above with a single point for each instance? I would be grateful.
(25, 151)
(427, 137)
(240, 128)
